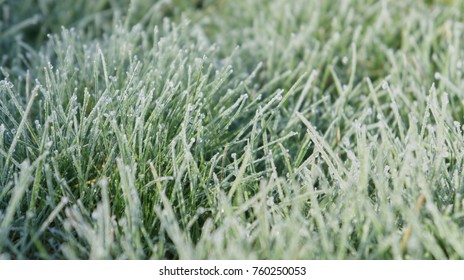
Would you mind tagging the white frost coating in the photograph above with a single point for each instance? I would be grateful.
(270, 201)
(345, 60)
(384, 85)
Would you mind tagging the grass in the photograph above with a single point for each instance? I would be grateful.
(231, 129)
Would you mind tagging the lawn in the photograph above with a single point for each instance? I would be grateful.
(215, 129)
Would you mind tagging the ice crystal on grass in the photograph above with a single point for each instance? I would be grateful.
(242, 129)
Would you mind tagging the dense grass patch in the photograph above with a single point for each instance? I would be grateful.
(231, 129)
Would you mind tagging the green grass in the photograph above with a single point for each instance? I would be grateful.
(231, 129)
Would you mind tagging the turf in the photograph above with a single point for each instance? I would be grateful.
(231, 129)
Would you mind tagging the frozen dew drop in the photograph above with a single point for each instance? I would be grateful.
(95, 215)
(345, 60)
(270, 201)
(385, 85)
(37, 124)
(48, 144)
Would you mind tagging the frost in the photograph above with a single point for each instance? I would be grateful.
(48, 144)
(386, 170)
(444, 99)
(270, 201)
(384, 85)
(346, 141)
(201, 210)
(351, 156)
(6, 84)
(345, 60)
(457, 125)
